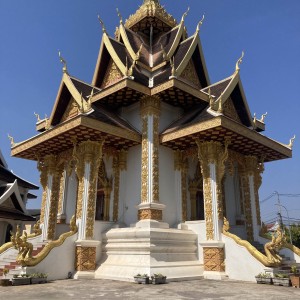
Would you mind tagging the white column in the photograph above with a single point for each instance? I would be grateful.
(178, 193)
(82, 221)
(212, 168)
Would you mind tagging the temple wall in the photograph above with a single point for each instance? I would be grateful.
(168, 115)
(132, 115)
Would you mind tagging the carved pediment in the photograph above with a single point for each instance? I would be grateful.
(190, 74)
(230, 111)
(71, 111)
(112, 75)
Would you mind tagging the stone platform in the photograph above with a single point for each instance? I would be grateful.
(147, 248)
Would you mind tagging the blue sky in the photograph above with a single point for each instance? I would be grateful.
(32, 31)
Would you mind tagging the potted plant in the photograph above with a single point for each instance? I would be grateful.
(295, 277)
(281, 279)
(37, 278)
(158, 278)
(144, 279)
(4, 281)
(21, 279)
(264, 278)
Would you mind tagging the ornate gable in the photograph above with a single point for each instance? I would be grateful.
(112, 75)
(72, 111)
(190, 74)
(230, 111)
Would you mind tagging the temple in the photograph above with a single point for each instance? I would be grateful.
(151, 163)
(14, 193)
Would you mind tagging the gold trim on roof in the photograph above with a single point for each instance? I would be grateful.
(150, 8)
(233, 126)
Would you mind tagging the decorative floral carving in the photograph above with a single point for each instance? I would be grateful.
(85, 258)
(153, 214)
(214, 259)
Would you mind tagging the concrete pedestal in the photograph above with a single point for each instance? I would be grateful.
(149, 247)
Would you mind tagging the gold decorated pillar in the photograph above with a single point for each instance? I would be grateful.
(51, 171)
(150, 208)
(212, 156)
(251, 181)
(88, 156)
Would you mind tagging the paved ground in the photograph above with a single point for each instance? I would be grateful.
(104, 289)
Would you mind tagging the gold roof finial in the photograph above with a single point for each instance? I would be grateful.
(200, 24)
(63, 61)
(262, 119)
(220, 107)
(164, 54)
(137, 56)
(102, 24)
(185, 14)
(292, 140)
(211, 99)
(173, 70)
(240, 60)
(38, 117)
(89, 102)
(12, 142)
(120, 16)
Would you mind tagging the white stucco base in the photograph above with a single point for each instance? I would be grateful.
(149, 248)
(240, 264)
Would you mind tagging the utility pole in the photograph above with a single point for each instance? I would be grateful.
(279, 212)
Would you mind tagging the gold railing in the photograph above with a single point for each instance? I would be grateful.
(36, 232)
(266, 261)
(25, 257)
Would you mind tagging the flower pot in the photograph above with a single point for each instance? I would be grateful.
(259, 280)
(141, 280)
(38, 280)
(295, 280)
(281, 281)
(5, 282)
(267, 280)
(159, 280)
(21, 281)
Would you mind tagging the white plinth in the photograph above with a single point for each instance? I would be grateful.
(84, 275)
(150, 247)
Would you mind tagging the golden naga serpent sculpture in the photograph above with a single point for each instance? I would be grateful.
(25, 248)
(272, 258)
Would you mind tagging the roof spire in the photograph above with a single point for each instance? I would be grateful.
(237, 66)
(148, 1)
(185, 14)
(120, 16)
(200, 23)
(102, 24)
(62, 60)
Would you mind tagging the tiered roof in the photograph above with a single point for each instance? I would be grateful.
(151, 54)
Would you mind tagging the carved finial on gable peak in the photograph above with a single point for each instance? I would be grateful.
(12, 141)
(120, 16)
(292, 140)
(200, 24)
(63, 61)
(37, 117)
(238, 63)
(102, 24)
(184, 15)
(262, 119)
